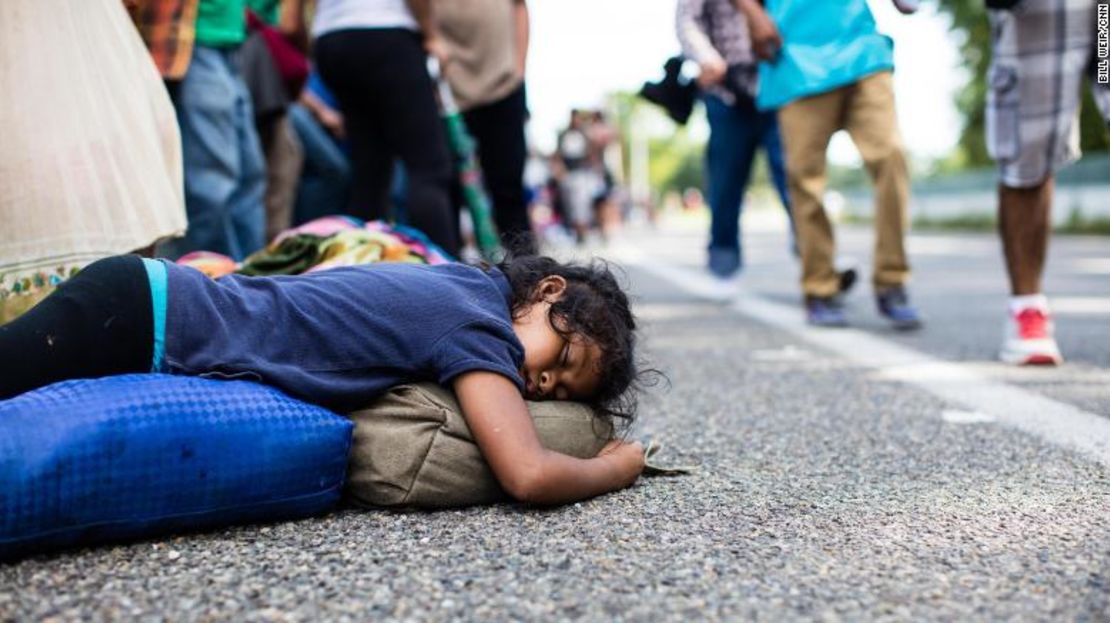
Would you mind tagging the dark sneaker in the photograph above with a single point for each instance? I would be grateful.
(825, 312)
(895, 306)
(724, 263)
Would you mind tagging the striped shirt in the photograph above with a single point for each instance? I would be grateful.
(168, 28)
(715, 29)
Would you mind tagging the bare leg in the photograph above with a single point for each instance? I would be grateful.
(1023, 223)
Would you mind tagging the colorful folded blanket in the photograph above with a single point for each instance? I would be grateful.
(324, 243)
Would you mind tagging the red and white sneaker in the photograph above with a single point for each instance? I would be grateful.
(1029, 340)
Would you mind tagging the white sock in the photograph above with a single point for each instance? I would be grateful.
(1026, 301)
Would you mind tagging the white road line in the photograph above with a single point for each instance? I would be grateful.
(956, 416)
(1092, 265)
(1054, 421)
(1079, 305)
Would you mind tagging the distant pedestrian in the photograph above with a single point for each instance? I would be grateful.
(1041, 51)
(828, 69)
(579, 180)
(714, 33)
(604, 141)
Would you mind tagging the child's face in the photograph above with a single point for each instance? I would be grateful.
(555, 367)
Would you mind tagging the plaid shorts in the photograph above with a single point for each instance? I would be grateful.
(1042, 50)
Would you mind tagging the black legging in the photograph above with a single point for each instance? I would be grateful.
(498, 128)
(388, 102)
(96, 324)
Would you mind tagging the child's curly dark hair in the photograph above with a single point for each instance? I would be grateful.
(595, 306)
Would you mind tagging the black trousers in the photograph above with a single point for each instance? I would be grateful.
(498, 128)
(388, 101)
(96, 324)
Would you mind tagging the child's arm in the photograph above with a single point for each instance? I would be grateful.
(499, 420)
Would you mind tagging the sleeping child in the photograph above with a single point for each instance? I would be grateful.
(531, 328)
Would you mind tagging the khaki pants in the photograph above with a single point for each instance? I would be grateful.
(284, 160)
(866, 110)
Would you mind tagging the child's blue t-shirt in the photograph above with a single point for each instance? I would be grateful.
(825, 45)
(341, 337)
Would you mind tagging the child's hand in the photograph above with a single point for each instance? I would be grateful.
(627, 458)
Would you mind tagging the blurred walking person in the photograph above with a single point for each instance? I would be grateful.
(325, 182)
(579, 181)
(373, 55)
(90, 152)
(605, 158)
(488, 45)
(274, 72)
(715, 34)
(195, 45)
(827, 68)
(1041, 51)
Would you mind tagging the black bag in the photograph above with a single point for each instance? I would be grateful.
(674, 93)
(737, 81)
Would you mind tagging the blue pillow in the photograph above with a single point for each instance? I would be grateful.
(140, 455)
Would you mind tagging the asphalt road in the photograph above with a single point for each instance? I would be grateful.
(959, 282)
(825, 489)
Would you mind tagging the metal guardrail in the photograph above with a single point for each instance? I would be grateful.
(1082, 193)
(1089, 170)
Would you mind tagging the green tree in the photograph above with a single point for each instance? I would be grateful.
(676, 160)
(676, 163)
(972, 29)
(970, 26)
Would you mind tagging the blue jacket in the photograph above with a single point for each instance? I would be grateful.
(826, 44)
